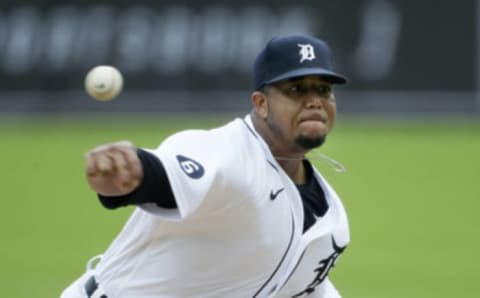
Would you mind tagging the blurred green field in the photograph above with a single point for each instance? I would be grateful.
(411, 191)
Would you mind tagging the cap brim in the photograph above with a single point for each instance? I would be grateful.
(327, 75)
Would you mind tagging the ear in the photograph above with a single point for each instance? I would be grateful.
(260, 104)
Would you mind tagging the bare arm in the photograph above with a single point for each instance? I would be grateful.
(113, 169)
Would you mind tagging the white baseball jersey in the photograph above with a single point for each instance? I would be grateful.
(237, 231)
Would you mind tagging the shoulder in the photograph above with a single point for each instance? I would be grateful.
(229, 141)
(205, 137)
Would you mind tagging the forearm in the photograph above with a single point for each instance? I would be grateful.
(154, 187)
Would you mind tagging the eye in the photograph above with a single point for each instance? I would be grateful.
(298, 90)
(323, 90)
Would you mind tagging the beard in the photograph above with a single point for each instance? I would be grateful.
(303, 142)
(309, 143)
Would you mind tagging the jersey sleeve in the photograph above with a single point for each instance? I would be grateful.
(191, 165)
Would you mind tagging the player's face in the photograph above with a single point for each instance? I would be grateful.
(301, 110)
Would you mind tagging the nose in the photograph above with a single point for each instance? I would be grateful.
(315, 101)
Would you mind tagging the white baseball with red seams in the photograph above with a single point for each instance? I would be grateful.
(104, 82)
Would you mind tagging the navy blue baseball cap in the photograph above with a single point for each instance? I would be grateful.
(294, 56)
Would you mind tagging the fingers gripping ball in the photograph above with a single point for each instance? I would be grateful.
(103, 82)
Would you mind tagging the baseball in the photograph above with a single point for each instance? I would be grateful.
(103, 82)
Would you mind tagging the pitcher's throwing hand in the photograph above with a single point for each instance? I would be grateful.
(113, 169)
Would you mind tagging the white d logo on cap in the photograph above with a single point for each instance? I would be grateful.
(306, 52)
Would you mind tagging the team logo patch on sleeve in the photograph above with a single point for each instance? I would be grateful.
(192, 168)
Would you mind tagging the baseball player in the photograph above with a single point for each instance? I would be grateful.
(235, 211)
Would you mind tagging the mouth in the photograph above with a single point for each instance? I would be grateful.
(314, 118)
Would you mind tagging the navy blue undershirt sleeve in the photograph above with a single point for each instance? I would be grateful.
(155, 187)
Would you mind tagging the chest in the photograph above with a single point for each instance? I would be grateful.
(307, 257)
(322, 246)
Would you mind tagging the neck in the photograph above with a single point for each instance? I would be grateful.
(290, 161)
(294, 169)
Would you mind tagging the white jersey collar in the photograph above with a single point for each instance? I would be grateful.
(268, 153)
